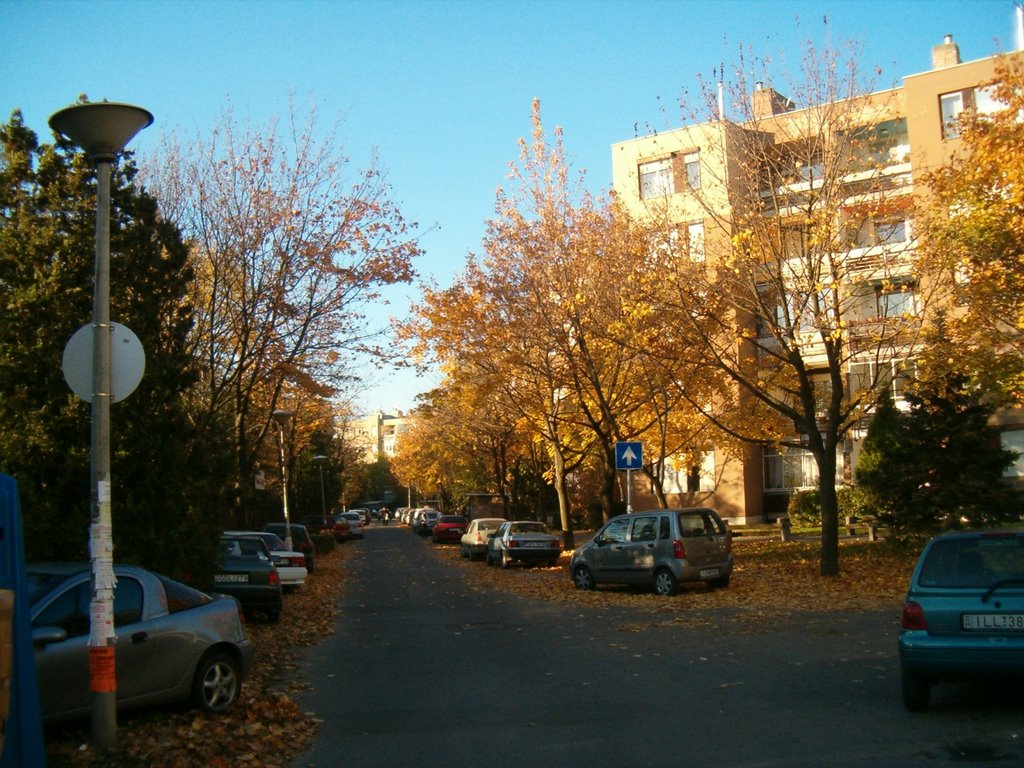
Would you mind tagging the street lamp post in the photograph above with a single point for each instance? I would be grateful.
(282, 417)
(320, 459)
(102, 129)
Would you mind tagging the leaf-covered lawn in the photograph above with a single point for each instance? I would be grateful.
(267, 729)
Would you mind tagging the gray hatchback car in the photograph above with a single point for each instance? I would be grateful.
(661, 548)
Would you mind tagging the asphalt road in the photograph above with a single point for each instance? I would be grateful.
(426, 671)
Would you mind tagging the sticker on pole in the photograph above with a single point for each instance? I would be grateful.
(127, 362)
(629, 455)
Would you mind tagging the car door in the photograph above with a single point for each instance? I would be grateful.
(611, 554)
(704, 538)
(641, 549)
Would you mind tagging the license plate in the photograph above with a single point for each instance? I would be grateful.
(231, 578)
(993, 622)
(708, 573)
(535, 544)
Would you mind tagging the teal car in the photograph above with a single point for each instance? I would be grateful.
(964, 613)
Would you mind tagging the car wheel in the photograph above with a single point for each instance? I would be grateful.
(916, 691)
(506, 561)
(665, 583)
(470, 554)
(487, 557)
(583, 578)
(217, 683)
(273, 616)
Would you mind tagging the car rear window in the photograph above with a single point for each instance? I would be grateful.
(973, 562)
(529, 528)
(452, 519)
(181, 597)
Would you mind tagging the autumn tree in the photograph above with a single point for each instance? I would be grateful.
(289, 245)
(972, 237)
(798, 290)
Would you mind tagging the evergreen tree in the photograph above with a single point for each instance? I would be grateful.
(165, 476)
(940, 465)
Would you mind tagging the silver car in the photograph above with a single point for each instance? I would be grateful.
(662, 548)
(174, 643)
(523, 541)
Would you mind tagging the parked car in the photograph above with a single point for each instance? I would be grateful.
(301, 540)
(340, 529)
(449, 528)
(174, 643)
(474, 542)
(964, 612)
(355, 523)
(291, 565)
(523, 541)
(662, 548)
(246, 571)
(424, 520)
(364, 515)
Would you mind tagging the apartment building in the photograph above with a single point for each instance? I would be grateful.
(690, 179)
(377, 434)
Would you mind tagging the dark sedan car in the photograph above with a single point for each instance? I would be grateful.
(246, 570)
(449, 528)
(174, 644)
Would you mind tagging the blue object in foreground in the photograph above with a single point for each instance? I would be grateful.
(23, 732)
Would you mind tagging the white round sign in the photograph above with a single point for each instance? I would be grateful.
(127, 362)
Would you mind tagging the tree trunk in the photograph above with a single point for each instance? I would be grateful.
(829, 512)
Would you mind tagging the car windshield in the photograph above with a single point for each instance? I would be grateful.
(973, 562)
(529, 528)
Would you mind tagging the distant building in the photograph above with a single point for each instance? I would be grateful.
(378, 434)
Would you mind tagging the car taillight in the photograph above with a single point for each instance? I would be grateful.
(512, 544)
(275, 578)
(299, 562)
(678, 550)
(913, 616)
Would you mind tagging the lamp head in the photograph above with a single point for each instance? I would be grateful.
(103, 129)
(282, 415)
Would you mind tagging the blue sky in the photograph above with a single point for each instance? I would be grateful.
(442, 90)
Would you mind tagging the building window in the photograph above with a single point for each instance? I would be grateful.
(897, 300)
(950, 107)
(691, 160)
(894, 374)
(891, 232)
(1013, 440)
(695, 232)
(789, 469)
(656, 179)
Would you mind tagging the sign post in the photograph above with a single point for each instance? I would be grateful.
(629, 456)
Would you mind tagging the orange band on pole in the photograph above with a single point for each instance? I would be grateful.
(101, 669)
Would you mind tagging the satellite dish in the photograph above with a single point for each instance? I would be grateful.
(127, 362)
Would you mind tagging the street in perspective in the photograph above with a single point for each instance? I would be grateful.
(431, 667)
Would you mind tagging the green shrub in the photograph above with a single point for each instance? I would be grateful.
(804, 509)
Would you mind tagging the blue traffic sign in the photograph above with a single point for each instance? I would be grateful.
(629, 455)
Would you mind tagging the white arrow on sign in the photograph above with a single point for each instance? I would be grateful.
(628, 456)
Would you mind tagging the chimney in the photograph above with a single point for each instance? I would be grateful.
(945, 55)
(768, 102)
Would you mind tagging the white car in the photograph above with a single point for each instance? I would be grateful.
(291, 566)
(474, 540)
(355, 523)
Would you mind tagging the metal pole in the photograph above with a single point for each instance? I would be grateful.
(284, 489)
(323, 498)
(102, 636)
